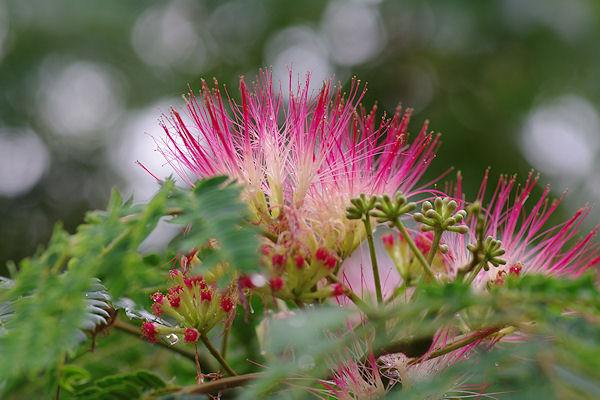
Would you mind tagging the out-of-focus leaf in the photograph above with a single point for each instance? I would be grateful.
(126, 386)
(212, 210)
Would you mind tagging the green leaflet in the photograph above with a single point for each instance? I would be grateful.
(212, 211)
(47, 295)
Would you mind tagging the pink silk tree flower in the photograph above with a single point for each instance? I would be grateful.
(301, 159)
(531, 246)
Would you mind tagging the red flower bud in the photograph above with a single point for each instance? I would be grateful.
(338, 289)
(206, 295)
(149, 332)
(299, 260)
(227, 304)
(330, 262)
(321, 254)
(191, 336)
(278, 260)
(388, 240)
(157, 297)
(245, 282)
(515, 269)
(276, 283)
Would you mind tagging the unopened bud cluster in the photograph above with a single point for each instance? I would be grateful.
(192, 305)
(299, 275)
(442, 216)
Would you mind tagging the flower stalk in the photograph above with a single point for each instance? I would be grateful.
(361, 210)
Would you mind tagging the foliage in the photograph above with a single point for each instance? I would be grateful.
(52, 297)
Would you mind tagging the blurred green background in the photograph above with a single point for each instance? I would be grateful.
(511, 84)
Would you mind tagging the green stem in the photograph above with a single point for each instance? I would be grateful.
(224, 343)
(414, 249)
(115, 242)
(474, 273)
(437, 236)
(221, 384)
(216, 354)
(367, 222)
(60, 262)
(399, 290)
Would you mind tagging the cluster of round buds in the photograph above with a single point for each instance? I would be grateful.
(442, 215)
(299, 276)
(195, 306)
(405, 261)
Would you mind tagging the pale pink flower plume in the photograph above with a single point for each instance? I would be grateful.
(531, 246)
(304, 157)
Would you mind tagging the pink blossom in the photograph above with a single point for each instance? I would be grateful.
(303, 157)
(532, 246)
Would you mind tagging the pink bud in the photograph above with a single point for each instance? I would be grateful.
(338, 289)
(174, 273)
(321, 254)
(226, 304)
(205, 295)
(149, 332)
(278, 260)
(388, 241)
(299, 260)
(276, 283)
(191, 336)
(157, 297)
(515, 269)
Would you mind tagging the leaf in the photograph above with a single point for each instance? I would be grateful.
(72, 376)
(126, 386)
(212, 210)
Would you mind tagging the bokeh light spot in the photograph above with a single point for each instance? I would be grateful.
(560, 137)
(23, 161)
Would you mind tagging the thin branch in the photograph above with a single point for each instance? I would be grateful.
(376, 279)
(220, 384)
(415, 249)
(216, 354)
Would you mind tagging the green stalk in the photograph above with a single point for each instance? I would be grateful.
(437, 236)
(367, 222)
(224, 343)
(474, 273)
(216, 354)
(414, 249)
(219, 385)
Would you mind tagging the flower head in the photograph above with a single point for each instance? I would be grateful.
(301, 159)
(530, 245)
